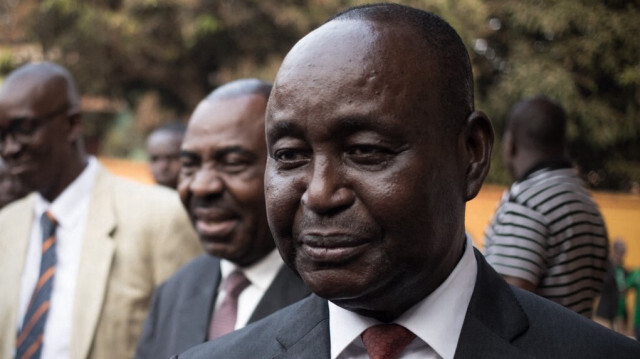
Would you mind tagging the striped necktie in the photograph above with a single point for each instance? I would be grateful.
(29, 343)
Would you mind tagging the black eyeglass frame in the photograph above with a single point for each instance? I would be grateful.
(22, 129)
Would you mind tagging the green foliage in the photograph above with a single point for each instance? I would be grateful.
(584, 54)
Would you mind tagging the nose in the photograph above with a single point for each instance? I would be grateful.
(9, 146)
(327, 191)
(207, 182)
(164, 164)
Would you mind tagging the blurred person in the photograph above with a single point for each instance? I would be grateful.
(633, 282)
(547, 235)
(79, 257)
(374, 148)
(221, 185)
(163, 148)
(10, 187)
(612, 306)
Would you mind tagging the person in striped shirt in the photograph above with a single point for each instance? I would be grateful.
(547, 235)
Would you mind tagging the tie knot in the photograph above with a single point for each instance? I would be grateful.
(386, 341)
(48, 223)
(235, 283)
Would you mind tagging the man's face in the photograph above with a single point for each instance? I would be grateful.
(35, 133)
(163, 148)
(221, 180)
(364, 189)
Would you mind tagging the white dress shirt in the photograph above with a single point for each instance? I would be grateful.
(260, 274)
(436, 320)
(70, 210)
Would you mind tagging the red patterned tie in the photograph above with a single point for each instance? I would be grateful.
(29, 342)
(386, 341)
(224, 319)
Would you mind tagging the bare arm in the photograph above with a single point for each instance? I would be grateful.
(519, 282)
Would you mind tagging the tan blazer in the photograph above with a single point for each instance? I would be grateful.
(136, 237)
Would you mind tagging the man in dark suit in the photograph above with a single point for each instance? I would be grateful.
(223, 158)
(374, 148)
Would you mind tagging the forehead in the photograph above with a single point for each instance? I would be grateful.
(227, 122)
(355, 68)
(27, 94)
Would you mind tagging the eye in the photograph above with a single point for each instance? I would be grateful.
(235, 163)
(288, 158)
(369, 154)
(23, 126)
(188, 165)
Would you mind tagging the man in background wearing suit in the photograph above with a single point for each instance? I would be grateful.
(374, 148)
(81, 256)
(221, 185)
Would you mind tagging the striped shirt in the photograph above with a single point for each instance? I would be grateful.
(548, 231)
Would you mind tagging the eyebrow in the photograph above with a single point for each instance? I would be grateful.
(347, 125)
(221, 152)
(234, 149)
(281, 129)
(189, 154)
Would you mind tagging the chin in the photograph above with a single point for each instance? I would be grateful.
(331, 285)
(213, 247)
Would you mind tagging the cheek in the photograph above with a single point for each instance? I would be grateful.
(175, 165)
(183, 190)
(282, 201)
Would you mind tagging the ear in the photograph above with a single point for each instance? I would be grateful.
(509, 147)
(75, 127)
(478, 141)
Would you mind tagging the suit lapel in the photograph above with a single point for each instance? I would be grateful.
(195, 312)
(494, 318)
(13, 251)
(306, 333)
(285, 289)
(95, 264)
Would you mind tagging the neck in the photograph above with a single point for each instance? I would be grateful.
(72, 171)
(543, 162)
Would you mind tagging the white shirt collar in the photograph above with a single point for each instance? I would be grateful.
(65, 207)
(260, 274)
(436, 320)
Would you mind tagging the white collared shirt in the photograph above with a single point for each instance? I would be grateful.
(260, 274)
(436, 320)
(70, 209)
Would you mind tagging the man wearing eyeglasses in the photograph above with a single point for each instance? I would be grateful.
(79, 257)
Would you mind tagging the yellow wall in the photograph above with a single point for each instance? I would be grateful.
(621, 211)
(138, 171)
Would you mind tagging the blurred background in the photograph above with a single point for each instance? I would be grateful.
(145, 63)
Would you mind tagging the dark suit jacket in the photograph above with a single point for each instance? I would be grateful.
(501, 322)
(181, 307)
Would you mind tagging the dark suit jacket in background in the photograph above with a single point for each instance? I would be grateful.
(501, 322)
(182, 306)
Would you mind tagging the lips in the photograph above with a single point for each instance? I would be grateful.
(214, 224)
(332, 247)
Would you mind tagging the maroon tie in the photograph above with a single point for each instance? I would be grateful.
(386, 341)
(224, 319)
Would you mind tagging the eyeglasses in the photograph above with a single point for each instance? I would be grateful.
(21, 129)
